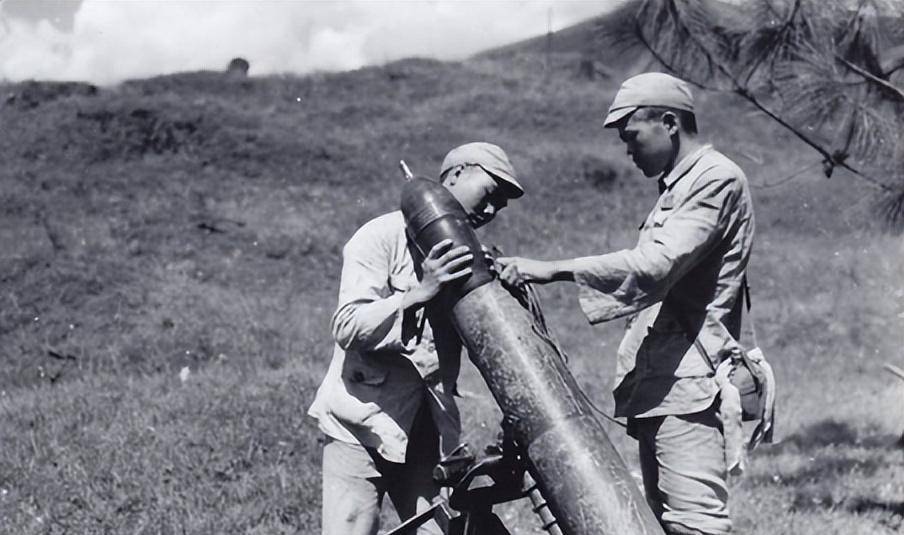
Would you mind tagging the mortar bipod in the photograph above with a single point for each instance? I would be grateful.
(469, 509)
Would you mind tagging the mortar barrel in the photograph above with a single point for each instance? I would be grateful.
(585, 482)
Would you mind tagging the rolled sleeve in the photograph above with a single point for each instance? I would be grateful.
(370, 315)
(672, 242)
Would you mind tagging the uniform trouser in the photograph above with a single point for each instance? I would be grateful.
(682, 459)
(356, 478)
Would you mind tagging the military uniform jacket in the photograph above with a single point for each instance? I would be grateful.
(386, 363)
(690, 259)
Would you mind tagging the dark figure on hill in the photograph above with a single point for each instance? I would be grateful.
(386, 404)
(686, 272)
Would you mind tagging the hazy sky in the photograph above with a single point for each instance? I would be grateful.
(105, 41)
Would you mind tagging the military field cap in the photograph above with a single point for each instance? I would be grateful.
(490, 158)
(649, 89)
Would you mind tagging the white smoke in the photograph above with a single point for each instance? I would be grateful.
(115, 40)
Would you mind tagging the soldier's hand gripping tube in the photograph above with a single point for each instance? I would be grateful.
(585, 482)
(432, 215)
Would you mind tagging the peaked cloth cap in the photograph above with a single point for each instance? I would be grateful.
(488, 157)
(649, 89)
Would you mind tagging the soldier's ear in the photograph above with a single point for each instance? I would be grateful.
(670, 122)
(453, 175)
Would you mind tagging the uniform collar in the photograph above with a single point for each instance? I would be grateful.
(682, 167)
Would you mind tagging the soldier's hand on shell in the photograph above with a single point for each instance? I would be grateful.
(442, 265)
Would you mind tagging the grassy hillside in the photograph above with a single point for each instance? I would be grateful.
(197, 221)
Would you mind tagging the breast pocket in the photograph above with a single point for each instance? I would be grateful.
(661, 216)
(663, 210)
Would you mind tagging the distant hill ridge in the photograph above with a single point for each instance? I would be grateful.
(586, 40)
(592, 40)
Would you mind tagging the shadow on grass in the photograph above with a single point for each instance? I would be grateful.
(834, 466)
(867, 505)
(891, 514)
(831, 432)
(824, 472)
(886, 513)
(828, 445)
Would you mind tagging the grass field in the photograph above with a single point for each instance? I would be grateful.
(194, 221)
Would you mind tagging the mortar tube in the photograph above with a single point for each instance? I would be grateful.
(586, 484)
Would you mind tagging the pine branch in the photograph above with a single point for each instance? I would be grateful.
(831, 159)
(661, 59)
(872, 78)
(769, 50)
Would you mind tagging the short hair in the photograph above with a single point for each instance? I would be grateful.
(687, 121)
